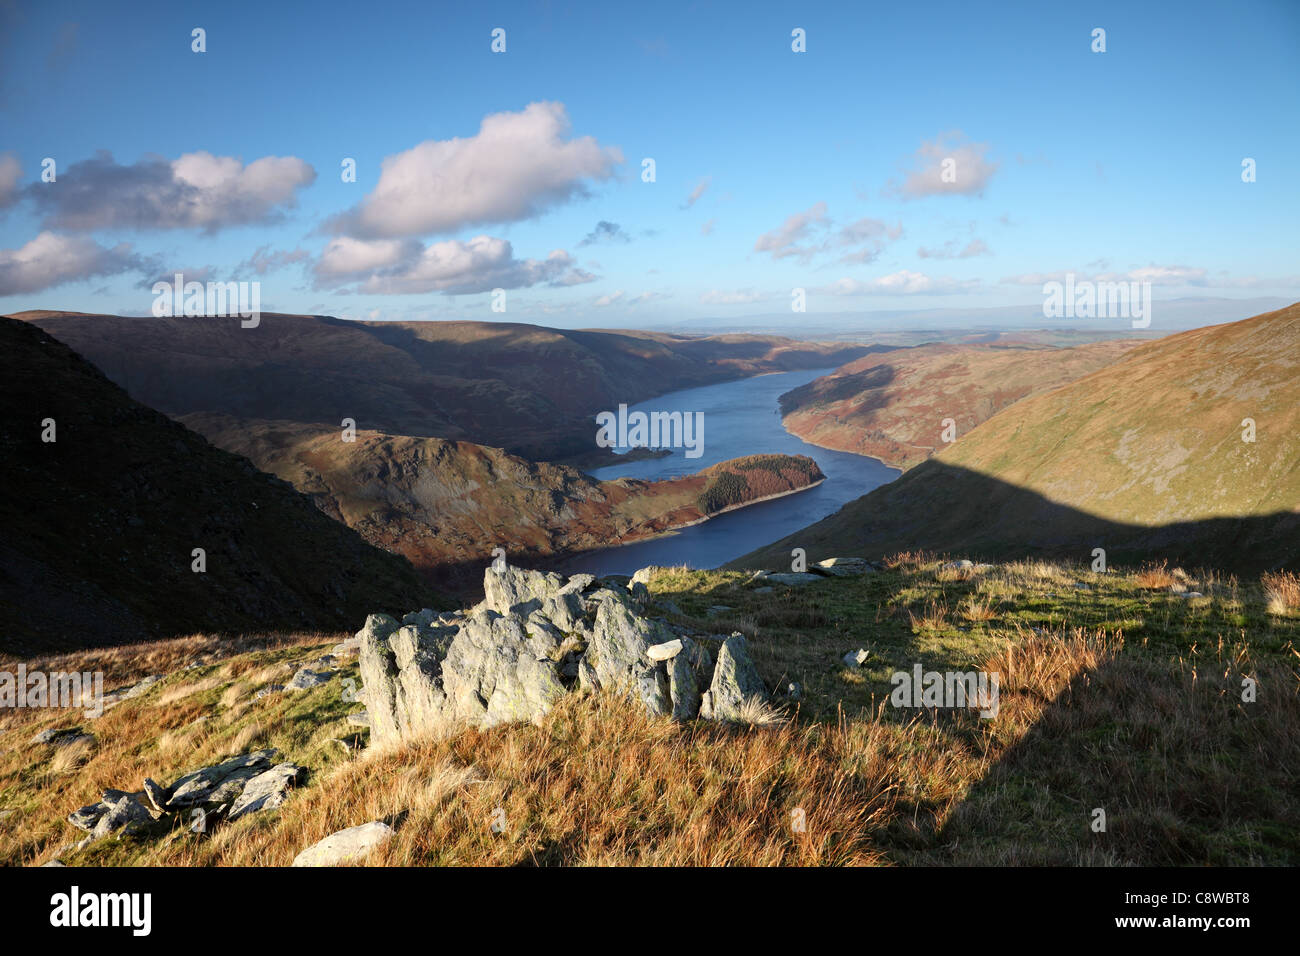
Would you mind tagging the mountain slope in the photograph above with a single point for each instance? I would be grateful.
(100, 525)
(528, 389)
(442, 503)
(892, 405)
(1144, 458)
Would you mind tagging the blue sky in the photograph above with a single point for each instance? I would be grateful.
(775, 170)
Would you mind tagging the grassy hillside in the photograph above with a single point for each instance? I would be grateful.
(1144, 458)
(892, 405)
(100, 524)
(1115, 693)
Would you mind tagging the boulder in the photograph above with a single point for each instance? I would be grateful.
(346, 845)
(87, 817)
(735, 680)
(126, 814)
(855, 658)
(266, 791)
(793, 578)
(210, 784)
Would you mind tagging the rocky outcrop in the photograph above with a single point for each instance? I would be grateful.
(535, 637)
(239, 786)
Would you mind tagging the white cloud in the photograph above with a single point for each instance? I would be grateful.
(196, 190)
(700, 189)
(783, 241)
(51, 259)
(950, 250)
(517, 166)
(971, 169)
(904, 282)
(455, 267)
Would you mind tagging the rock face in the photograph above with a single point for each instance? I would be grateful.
(535, 637)
(735, 680)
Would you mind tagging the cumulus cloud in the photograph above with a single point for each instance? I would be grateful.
(929, 171)
(707, 228)
(10, 171)
(454, 267)
(950, 250)
(605, 232)
(809, 233)
(610, 298)
(700, 189)
(783, 241)
(904, 282)
(870, 236)
(517, 166)
(51, 259)
(196, 190)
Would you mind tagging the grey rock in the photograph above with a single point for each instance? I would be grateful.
(735, 680)
(268, 690)
(126, 814)
(266, 791)
(616, 653)
(688, 674)
(87, 817)
(158, 796)
(717, 609)
(307, 678)
(359, 719)
(794, 578)
(349, 648)
(132, 692)
(202, 785)
(495, 671)
(644, 575)
(60, 737)
(426, 616)
(670, 607)
(961, 565)
(346, 845)
(664, 652)
(855, 658)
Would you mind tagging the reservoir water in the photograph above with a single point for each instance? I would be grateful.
(740, 418)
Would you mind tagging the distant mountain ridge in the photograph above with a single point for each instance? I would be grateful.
(528, 389)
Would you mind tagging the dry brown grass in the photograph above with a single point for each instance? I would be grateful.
(932, 618)
(1281, 591)
(1157, 576)
(978, 607)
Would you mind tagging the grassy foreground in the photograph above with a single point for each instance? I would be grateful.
(1116, 694)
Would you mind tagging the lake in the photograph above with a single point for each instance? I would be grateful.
(740, 418)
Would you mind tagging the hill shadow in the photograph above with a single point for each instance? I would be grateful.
(947, 509)
(1185, 772)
